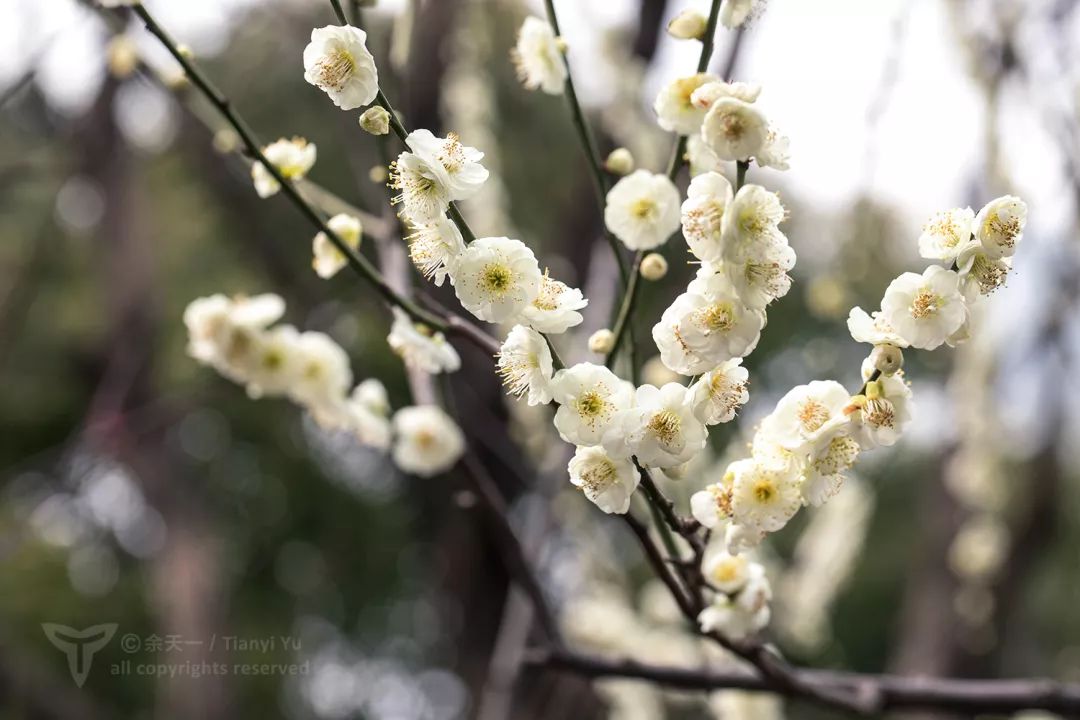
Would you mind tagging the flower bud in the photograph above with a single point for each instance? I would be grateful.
(560, 43)
(226, 141)
(378, 174)
(887, 358)
(601, 341)
(121, 56)
(653, 266)
(619, 162)
(688, 25)
(375, 120)
(185, 51)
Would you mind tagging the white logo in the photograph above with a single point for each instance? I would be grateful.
(79, 645)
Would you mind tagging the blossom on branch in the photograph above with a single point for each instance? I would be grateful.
(337, 61)
(538, 57)
(292, 158)
(642, 210)
(427, 440)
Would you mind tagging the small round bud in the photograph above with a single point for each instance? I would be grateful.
(375, 120)
(653, 266)
(122, 57)
(185, 51)
(887, 358)
(226, 141)
(619, 162)
(378, 174)
(176, 80)
(601, 341)
(688, 25)
(560, 43)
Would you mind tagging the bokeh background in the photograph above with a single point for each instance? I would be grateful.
(140, 489)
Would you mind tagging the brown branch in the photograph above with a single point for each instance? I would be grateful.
(879, 692)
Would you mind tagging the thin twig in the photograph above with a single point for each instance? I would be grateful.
(623, 323)
(588, 144)
(357, 262)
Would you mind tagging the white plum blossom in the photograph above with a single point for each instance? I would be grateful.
(763, 497)
(456, 167)
(271, 363)
(734, 129)
(999, 226)
(761, 277)
(525, 365)
(371, 395)
(433, 245)
(674, 106)
(220, 328)
(660, 430)
(875, 330)
(554, 310)
(879, 415)
(706, 326)
(590, 397)
(775, 152)
(701, 157)
(367, 411)
(719, 393)
(947, 234)
(426, 440)
(538, 58)
(728, 573)
(751, 224)
(703, 213)
(495, 278)
(337, 61)
(981, 272)
(323, 375)
(705, 95)
(292, 158)
(420, 347)
(642, 210)
(809, 416)
(711, 506)
(925, 310)
(608, 482)
(734, 13)
(738, 616)
(327, 260)
(823, 472)
(423, 199)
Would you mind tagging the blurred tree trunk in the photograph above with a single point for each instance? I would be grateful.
(185, 575)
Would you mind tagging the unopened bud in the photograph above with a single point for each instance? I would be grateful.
(653, 266)
(619, 162)
(375, 120)
(226, 141)
(185, 52)
(122, 56)
(601, 341)
(887, 358)
(688, 25)
(175, 79)
(560, 43)
(378, 174)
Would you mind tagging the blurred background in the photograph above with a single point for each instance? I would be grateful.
(141, 489)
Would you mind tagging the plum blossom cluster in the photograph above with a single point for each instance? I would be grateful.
(744, 258)
(802, 449)
(238, 338)
(723, 122)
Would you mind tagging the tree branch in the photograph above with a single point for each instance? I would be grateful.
(883, 692)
